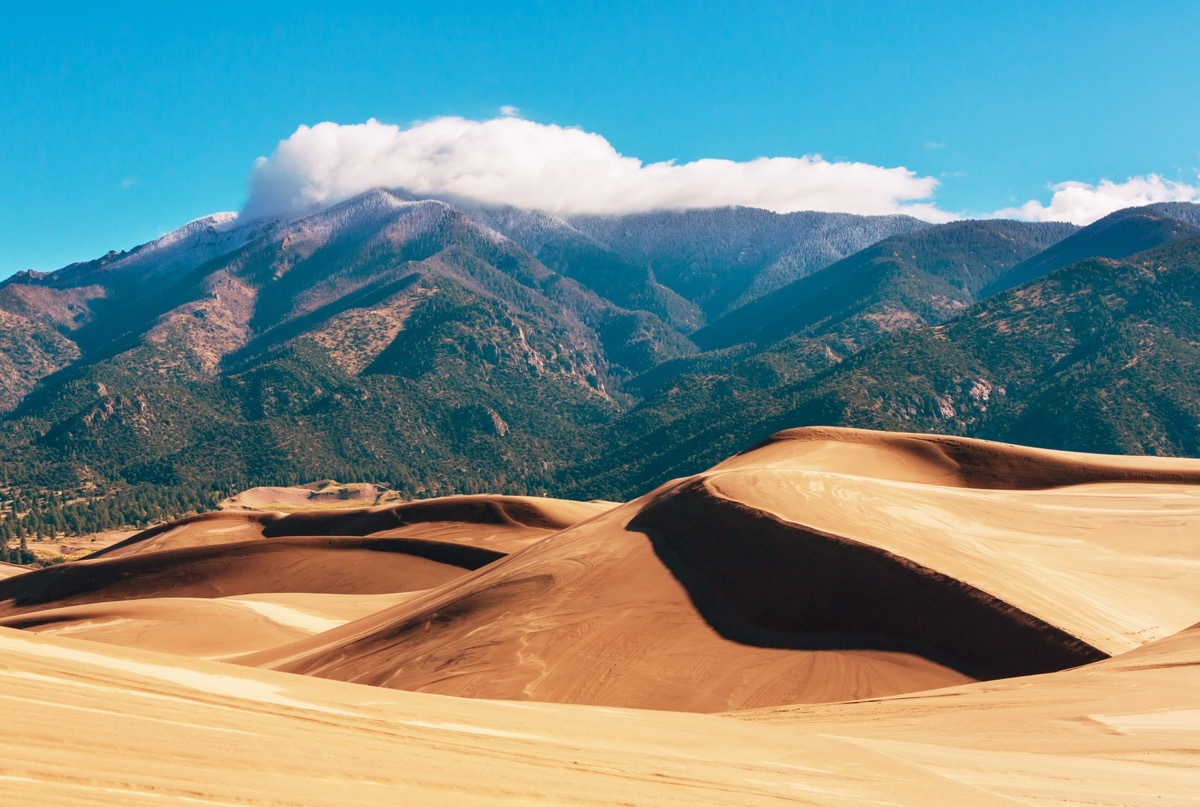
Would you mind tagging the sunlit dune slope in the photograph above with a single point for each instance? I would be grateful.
(205, 628)
(1103, 547)
(938, 459)
(802, 572)
(10, 570)
(95, 725)
(156, 589)
(1120, 731)
(206, 529)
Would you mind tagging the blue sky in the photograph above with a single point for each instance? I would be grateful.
(119, 125)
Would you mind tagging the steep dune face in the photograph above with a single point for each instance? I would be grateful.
(823, 565)
(1101, 547)
(763, 580)
(590, 615)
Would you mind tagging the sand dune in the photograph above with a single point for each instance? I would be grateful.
(1120, 731)
(589, 616)
(297, 497)
(799, 573)
(90, 724)
(206, 529)
(938, 459)
(10, 570)
(143, 592)
(823, 565)
(502, 523)
(205, 628)
(315, 564)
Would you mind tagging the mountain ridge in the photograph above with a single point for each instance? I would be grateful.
(413, 342)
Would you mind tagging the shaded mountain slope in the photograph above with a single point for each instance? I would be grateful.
(917, 277)
(722, 258)
(562, 247)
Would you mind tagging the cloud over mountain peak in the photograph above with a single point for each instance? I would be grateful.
(1083, 203)
(510, 160)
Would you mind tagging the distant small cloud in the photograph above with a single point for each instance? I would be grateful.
(128, 182)
(507, 111)
(510, 160)
(933, 145)
(1083, 203)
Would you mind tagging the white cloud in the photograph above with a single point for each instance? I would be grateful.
(1081, 203)
(510, 111)
(509, 160)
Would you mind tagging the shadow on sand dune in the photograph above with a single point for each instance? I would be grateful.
(760, 581)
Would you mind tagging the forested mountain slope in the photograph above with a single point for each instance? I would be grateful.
(1100, 356)
(440, 348)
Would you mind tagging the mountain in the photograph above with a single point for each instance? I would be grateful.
(454, 349)
(560, 246)
(1117, 235)
(914, 277)
(797, 332)
(436, 347)
(1099, 356)
(689, 266)
(382, 337)
(722, 258)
